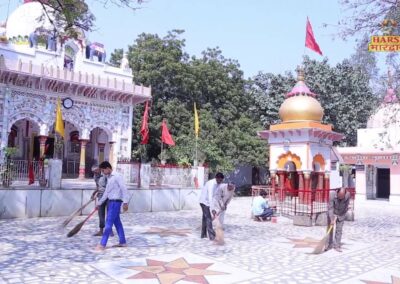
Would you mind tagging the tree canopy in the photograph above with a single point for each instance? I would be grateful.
(228, 131)
(70, 17)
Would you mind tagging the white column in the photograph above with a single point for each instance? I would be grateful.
(361, 184)
(394, 197)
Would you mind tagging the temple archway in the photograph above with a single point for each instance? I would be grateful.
(288, 157)
(317, 175)
(22, 135)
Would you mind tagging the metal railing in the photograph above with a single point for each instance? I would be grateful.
(18, 170)
(294, 202)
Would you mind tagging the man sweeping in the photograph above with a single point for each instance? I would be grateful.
(206, 198)
(222, 197)
(117, 195)
(338, 205)
(101, 182)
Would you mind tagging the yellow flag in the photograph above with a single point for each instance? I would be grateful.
(196, 122)
(59, 121)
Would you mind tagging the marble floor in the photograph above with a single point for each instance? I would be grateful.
(165, 247)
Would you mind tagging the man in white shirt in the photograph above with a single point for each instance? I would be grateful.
(260, 207)
(206, 199)
(222, 197)
(117, 194)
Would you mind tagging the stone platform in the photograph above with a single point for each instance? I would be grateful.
(30, 202)
(165, 247)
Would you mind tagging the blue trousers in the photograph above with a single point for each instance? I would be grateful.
(268, 212)
(113, 218)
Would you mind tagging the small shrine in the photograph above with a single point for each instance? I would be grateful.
(303, 163)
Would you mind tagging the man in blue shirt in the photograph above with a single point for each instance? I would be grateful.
(260, 207)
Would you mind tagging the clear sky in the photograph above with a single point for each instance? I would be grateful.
(263, 35)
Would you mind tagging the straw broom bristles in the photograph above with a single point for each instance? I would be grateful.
(219, 232)
(322, 243)
(79, 226)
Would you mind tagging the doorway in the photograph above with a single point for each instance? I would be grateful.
(383, 183)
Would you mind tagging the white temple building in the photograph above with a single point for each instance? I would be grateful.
(37, 69)
(376, 156)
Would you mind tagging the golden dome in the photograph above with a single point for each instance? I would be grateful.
(301, 108)
(300, 104)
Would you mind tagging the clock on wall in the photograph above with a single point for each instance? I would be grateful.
(67, 103)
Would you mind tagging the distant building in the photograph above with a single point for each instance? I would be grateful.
(36, 68)
(376, 156)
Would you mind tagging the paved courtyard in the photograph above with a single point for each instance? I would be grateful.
(165, 247)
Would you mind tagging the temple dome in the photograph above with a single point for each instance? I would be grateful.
(300, 104)
(387, 115)
(26, 19)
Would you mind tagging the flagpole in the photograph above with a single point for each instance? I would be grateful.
(162, 151)
(196, 163)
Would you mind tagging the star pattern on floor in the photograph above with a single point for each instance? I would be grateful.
(304, 243)
(395, 280)
(165, 232)
(170, 272)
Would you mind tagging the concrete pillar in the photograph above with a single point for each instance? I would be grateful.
(282, 178)
(301, 180)
(42, 143)
(145, 172)
(82, 160)
(361, 183)
(394, 197)
(273, 179)
(55, 173)
(306, 198)
(327, 184)
(320, 183)
(111, 159)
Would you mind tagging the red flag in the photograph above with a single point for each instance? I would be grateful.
(31, 174)
(311, 43)
(165, 136)
(144, 130)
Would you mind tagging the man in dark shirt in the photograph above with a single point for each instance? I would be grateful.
(101, 183)
(337, 209)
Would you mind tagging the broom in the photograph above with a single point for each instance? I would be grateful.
(75, 213)
(322, 243)
(78, 227)
(219, 232)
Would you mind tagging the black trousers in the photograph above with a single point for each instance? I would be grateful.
(206, 223)
(102, 214)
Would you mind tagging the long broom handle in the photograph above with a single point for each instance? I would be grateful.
(76, 212)
(90, 215)
(329, 230)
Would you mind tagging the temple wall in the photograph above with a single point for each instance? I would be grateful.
(51, 203)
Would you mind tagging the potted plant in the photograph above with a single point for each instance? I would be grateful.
(7, 170)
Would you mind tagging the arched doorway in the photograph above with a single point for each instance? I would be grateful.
(317, 174)
(23, 134)
(66, 148)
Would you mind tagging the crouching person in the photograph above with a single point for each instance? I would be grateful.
(260, 208)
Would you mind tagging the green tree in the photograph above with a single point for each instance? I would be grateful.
(69, 17)
(215, 83)
(116, 57)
